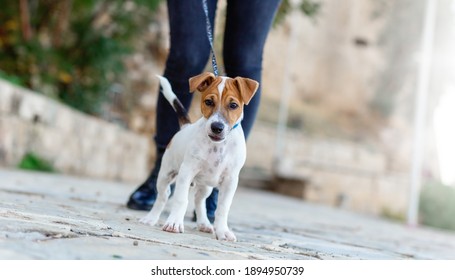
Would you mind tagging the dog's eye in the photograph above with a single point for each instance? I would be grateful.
(209, 102)
(233, 106)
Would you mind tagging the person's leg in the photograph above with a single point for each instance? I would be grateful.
(247, 26)
(188, 55)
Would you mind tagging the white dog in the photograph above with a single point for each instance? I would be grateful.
(205, 154)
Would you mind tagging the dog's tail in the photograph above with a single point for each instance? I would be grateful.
(182, 114)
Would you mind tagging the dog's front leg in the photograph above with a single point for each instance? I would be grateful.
(227, 191)
(174, 222)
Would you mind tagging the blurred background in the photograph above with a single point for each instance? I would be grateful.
(356, 113)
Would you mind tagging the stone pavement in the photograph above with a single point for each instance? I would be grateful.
(48, 216)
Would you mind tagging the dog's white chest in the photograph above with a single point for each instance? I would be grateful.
(213, 161)
(209, 162)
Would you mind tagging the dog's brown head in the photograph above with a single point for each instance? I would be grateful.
(222, 101)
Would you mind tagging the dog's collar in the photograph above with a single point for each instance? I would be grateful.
(235, 125)
(238, 123)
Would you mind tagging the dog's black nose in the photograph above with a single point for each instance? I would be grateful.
(217, 127)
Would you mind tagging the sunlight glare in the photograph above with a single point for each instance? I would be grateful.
(444, 118)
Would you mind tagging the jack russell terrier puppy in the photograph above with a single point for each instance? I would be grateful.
(205, 154)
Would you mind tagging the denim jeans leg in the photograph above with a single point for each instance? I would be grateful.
(247, 26)
(188, 55)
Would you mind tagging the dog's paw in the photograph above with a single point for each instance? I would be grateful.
(225, 234)
(208, 228)
(175, 227)
(149, 220)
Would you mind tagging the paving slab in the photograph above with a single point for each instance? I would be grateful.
(49, 216)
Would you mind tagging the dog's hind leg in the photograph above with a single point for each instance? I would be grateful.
(163, 189)
(203, 223)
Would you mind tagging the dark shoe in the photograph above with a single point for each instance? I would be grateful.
(144, 196)
(210, 203)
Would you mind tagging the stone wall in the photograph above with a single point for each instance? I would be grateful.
(72, 142)
(352, 72)
(352, 77)
(336, 172)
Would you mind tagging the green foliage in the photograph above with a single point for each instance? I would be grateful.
(71, 50)
(283, 10)
(12, 79)
(31, 161)
(309, 8)
(437, 206)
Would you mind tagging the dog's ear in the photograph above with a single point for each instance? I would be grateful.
(201, 82)
(247, 88)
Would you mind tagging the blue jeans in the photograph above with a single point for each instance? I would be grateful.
(247, 24)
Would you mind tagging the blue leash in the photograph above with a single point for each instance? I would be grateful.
(210, 37)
